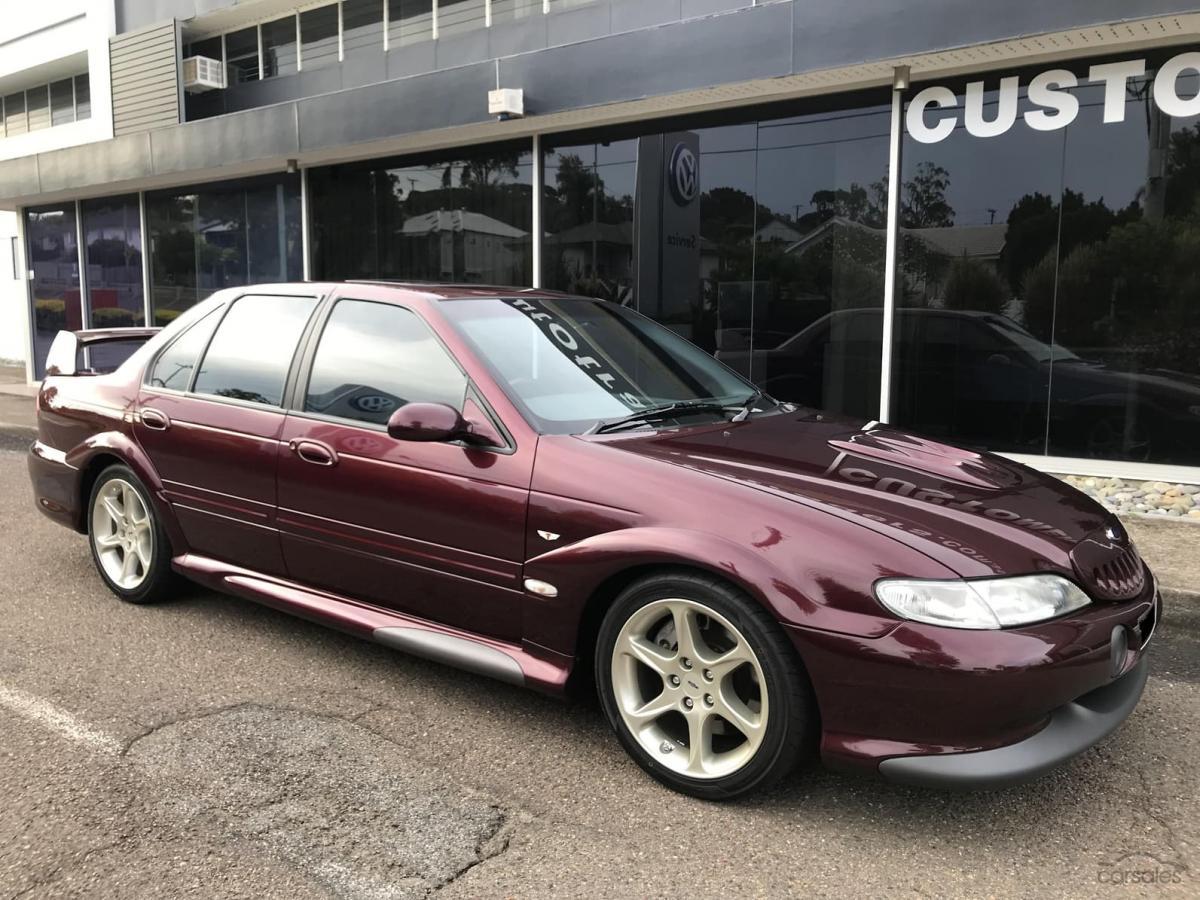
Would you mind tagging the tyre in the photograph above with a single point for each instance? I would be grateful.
(130, 548)
(702, 687)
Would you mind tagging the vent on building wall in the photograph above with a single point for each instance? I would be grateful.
(200, 73)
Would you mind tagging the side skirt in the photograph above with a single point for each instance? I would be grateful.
(525, 664)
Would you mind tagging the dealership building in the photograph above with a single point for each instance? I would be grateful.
(978, 221)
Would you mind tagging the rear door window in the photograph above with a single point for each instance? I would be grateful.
(252, 350)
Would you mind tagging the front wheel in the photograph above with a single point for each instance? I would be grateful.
(129, 546)
(702, 687)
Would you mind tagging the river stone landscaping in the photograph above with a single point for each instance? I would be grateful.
(1152, 498)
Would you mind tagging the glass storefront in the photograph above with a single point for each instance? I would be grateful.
(221, 235)
(587, 208)
(1048, 245)
(112, 236)
(762, 242)
(1051, 277)
(464, 218)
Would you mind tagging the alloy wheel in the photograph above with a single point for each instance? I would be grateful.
(689, 688)
(122, 534)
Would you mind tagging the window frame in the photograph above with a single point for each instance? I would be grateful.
(294, 397)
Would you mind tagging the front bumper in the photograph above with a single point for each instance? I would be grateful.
(1072, 729)
(925, 692)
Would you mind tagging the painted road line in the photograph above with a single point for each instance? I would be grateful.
(57, 719)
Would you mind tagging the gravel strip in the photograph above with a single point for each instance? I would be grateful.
(1151, 498)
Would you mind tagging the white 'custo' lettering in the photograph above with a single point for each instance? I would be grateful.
(1006, 108)
(942, 98)
(1166, 93)
(1115, 75)
(1059, 107)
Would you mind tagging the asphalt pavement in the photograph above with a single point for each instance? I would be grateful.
(210, 747)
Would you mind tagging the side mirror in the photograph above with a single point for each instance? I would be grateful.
(436, 422)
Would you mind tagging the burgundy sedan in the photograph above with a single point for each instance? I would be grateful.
(557, 491)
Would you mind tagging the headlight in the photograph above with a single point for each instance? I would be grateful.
(988, 603)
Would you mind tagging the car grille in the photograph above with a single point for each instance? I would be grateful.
(1109, 569)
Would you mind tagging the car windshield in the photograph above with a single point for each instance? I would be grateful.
(570, 363)
(1040, 351)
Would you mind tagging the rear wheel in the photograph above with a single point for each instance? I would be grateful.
(130, 548)
(701, 686)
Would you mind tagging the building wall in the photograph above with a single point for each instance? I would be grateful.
(41, 42)
(13, 304)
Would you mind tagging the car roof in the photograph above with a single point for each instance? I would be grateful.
(448, 291)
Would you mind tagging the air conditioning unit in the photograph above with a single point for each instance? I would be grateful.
(202, 73)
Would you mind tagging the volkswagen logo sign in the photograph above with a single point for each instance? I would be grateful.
(373, 403)
(683, 174)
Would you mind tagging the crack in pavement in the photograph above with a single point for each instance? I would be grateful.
(490, 848)
(355, 809)
(352, 808)
(1147, 807)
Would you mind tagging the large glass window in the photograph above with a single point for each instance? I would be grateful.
(37, 105)
(464, 218)
(409, 21)
(373, 358)
(1126, 305)
(588, 211)
(319, 37)
(819, 253)
(279, 47)
(206, 238)
(62, 102)
(362, 26)
(249, 356)
(83, 97)
(762, 242)
(112, 237)
(14, 115)
(52, 239)
(1050, 277)
(979, 230)
(241, 55)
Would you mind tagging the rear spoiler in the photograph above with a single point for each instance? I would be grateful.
(63, 358)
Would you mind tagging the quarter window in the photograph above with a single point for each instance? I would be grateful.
(249, 356)
(174, 367)
(373, 358)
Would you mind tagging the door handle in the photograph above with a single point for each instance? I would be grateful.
(314, 452)
(155, 420)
